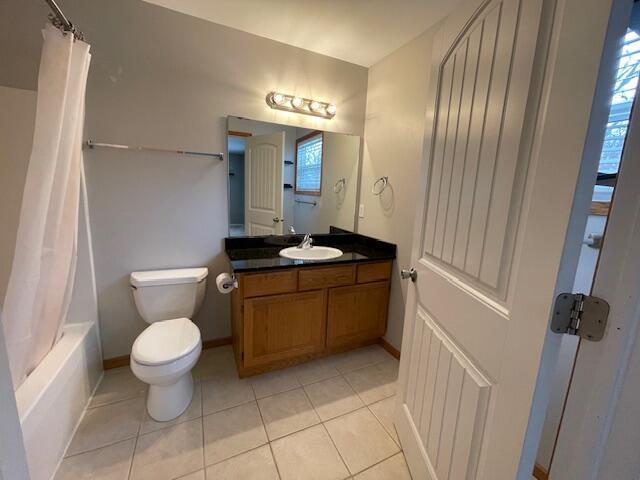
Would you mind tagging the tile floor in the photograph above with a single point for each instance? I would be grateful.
(327, 419)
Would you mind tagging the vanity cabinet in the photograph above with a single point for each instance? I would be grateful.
(357, 314)
(284, 317)
(278, 327)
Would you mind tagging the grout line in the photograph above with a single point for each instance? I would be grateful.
(264, 426)
(256, 400)
(135, 446)
(378, 462)
(120, 440)
(382, 424)
(114, 402)
(204, 466)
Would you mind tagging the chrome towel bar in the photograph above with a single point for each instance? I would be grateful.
(92, 144)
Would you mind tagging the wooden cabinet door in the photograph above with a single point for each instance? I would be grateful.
(284, 326)
(357, 313)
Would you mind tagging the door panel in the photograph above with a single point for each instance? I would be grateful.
(264, 162)
(447, 399)
(459, 324)
(474, 199)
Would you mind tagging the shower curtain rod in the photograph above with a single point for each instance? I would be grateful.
(59, 20)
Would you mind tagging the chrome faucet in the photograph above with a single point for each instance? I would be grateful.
(292, 230)
(306, 241)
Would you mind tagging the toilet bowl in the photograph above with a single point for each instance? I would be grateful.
(166, 351)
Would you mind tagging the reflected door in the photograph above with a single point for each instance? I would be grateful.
(263, 184)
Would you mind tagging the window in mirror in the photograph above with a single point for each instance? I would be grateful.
(309, 164)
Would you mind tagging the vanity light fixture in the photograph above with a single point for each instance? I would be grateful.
(291, 103)
(279, 99)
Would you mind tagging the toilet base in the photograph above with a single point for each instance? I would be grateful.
(168, 401)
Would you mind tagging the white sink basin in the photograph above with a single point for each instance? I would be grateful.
(313, 253)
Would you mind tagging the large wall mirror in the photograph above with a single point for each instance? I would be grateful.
(285, 179)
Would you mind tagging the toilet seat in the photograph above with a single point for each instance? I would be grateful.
(166, 341)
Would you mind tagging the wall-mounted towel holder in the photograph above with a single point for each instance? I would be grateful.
(92, 144)
(314, 203)
(379, 185)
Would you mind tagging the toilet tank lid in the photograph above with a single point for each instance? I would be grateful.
(168, 277)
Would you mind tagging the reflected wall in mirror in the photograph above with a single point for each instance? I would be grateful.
(284, 179)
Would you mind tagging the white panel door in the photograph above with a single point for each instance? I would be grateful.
(263, 184)
(488, 241)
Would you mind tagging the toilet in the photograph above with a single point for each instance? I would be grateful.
(166, 351)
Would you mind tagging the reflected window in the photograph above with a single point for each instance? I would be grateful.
(309, 164)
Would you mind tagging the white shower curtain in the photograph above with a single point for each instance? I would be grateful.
(41, 281)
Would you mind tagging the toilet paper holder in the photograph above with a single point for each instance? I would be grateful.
(233, 283)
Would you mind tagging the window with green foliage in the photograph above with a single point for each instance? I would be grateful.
(309, 164)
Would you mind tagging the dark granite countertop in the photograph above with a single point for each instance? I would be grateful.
(251, 254)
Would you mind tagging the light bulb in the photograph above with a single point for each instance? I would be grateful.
(315, 106)
(278, 99)
(297, 102)
(331, 110)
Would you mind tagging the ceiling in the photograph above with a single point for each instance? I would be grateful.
(357, 31)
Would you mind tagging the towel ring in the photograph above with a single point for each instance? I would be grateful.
(384, 181)
(339, 186)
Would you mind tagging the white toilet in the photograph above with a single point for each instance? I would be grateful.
(166, 351)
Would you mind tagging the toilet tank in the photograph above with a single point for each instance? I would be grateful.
(166, 294)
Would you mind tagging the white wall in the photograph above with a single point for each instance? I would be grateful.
(394, 129)
(168, 80)
(340, 159)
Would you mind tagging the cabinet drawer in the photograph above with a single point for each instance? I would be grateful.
(271, 283)
(316, 278)
(374, 272)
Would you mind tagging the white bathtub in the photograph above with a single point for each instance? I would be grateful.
(53, 397)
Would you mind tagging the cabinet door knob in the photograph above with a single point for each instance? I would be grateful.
(412, 273)
(277, 219)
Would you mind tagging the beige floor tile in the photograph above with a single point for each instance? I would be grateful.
(216, 363)
(232, 431)
(333, 397)
(194, 410)
(102, 426)
(394, 468)
(375, 382)
(274, 382)
(309, 454)
(107, 463)
(199, 475)
(221, 394)
(316, 370)
(169, 453)
(257, 464)
(117, 386)
(360, 439)
(286, 413)
(383, 410)
(361, 357)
